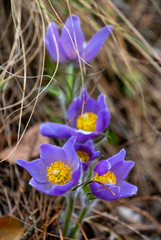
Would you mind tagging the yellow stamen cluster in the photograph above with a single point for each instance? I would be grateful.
(59, 173)
(87, 121)
(109, 178)
(83, 156)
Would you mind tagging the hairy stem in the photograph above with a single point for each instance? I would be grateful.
(68, 215)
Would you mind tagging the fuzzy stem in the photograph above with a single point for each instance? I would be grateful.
(68, 215)
(75, 228)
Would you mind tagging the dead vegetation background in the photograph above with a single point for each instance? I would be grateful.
(129, 70)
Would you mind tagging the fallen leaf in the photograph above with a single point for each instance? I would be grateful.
(28, 148)
(10, 228)
(21, 151)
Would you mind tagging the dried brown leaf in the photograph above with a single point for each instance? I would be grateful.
(10, 228)
(28, 148)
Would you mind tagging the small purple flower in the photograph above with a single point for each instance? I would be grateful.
(66, 47)
(88, 119)
(112, 172)
(56, 171)
(86, 153)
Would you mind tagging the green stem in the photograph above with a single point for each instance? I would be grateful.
(70, 81)
(75, 228)
(68, 216)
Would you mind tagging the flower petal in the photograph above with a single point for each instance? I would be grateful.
(88, 148)
(126, 189)
(105, 194)
(42, 187)
(122, 169)
(96, 42)
(53, 44)
(73, 38)
(102, 101)
(102, 167)
(61, 189)
(72, 157)
(83, 136)
(90, 105)
(103, 119)
(50, 189)
(50, 154)
(56, 130)
(84, 95)
(36, 168)
(74, 111)
(120, 156)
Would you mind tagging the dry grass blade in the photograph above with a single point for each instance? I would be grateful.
(59, 229)
(147, 215)
(80, 227)
(104, 228)
(115, 219)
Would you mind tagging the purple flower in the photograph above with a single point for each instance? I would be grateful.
(66, 47)
(87, 117)
(56, 171)
(86, 153)
(112, 172)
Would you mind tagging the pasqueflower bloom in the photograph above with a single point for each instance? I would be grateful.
(111, 173)
(56, 171)
(71, 43)
(87, 117)
(86, 153)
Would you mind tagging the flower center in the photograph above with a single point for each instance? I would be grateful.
(59, 173)
(83, 156)
(109, 178)
(87, 121)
